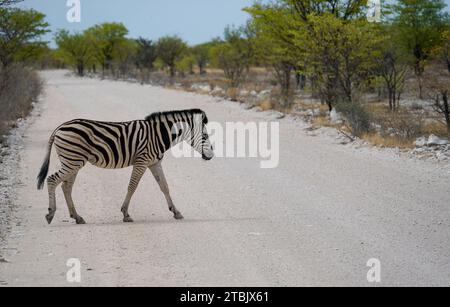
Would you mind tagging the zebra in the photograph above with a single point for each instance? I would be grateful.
(113, 145)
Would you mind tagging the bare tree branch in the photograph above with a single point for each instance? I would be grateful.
(9, 2)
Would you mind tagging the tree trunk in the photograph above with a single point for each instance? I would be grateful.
(201, 67)
(80, 69)
(287, 80)
(391, 107)
(330, 106)
(301, 81)
(419, 79)
(446, 110)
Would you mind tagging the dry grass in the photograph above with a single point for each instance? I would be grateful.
(266, 105)
(378, 109)
(435, 127)
(233, 93)
(323, 121)
(19, 87)
(388, 141)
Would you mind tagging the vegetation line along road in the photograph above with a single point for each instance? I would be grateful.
(389, 79)
(383, 81)
(324, 211)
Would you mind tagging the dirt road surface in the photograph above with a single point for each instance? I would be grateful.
(315, 220)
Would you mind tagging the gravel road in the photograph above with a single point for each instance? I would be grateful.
(315, 220)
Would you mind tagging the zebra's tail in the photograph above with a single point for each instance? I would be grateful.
(44, 168)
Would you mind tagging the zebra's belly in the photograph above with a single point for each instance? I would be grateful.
(102, 164)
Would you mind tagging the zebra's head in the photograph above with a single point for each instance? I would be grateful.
(200, 137)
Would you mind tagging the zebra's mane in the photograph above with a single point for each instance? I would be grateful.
(192, 112)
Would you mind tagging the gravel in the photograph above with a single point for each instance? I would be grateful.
(315, 220)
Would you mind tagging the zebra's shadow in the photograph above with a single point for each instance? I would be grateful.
(161, 221)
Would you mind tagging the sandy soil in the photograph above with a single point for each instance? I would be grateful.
(314, 221)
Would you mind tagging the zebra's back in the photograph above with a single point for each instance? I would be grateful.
(104, 144)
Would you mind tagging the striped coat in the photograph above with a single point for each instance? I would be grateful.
(113, 145)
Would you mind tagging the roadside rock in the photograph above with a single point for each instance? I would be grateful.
(243, 93)
(432, 148)
(436, 141)
(335, 117)
(204, 88)
(218, 91)
(275, 115)
(420, 142)
(264, 94)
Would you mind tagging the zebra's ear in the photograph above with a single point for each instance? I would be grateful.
(205, 118)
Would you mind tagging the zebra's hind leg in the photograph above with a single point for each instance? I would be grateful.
(52, 182)
(136, 175)
(158, 173)
(67, 187)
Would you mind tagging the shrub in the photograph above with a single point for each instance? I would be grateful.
(404, 125)
(233, 93)
(19, 87)
(357, 117)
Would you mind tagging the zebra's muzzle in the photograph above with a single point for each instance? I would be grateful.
(206, 157)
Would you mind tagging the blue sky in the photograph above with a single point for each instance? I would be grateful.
(196, 21)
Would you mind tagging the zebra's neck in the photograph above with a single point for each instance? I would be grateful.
(172, 128)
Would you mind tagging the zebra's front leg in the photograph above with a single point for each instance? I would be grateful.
(136, 175)
(158, 173)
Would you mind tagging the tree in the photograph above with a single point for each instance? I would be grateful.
(393, 71)
(339, 54)
(437, 88)
(146, 54)
(20, 31)
(201, 56)
(391, 64)
(234, 54)
(329, 35)
(441, 105)
(186, 64)
(171, 49)
(9, 2)
(273, 45)
(106, 37)
(342, 9)
(356, 51)
(420, 23)
(442, 52)
(125, 55)
(75, 49)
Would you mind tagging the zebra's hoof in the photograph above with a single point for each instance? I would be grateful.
(49, 218)
(128, 220)
(178, 216)
(80, 220)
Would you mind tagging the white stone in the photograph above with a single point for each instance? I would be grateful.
(420, 142)
(217, 91)
(436, 141)
(264, 94)
(335, 117)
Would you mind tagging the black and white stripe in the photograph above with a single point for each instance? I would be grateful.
(114, 145)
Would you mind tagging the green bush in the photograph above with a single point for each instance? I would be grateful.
(357, 117)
